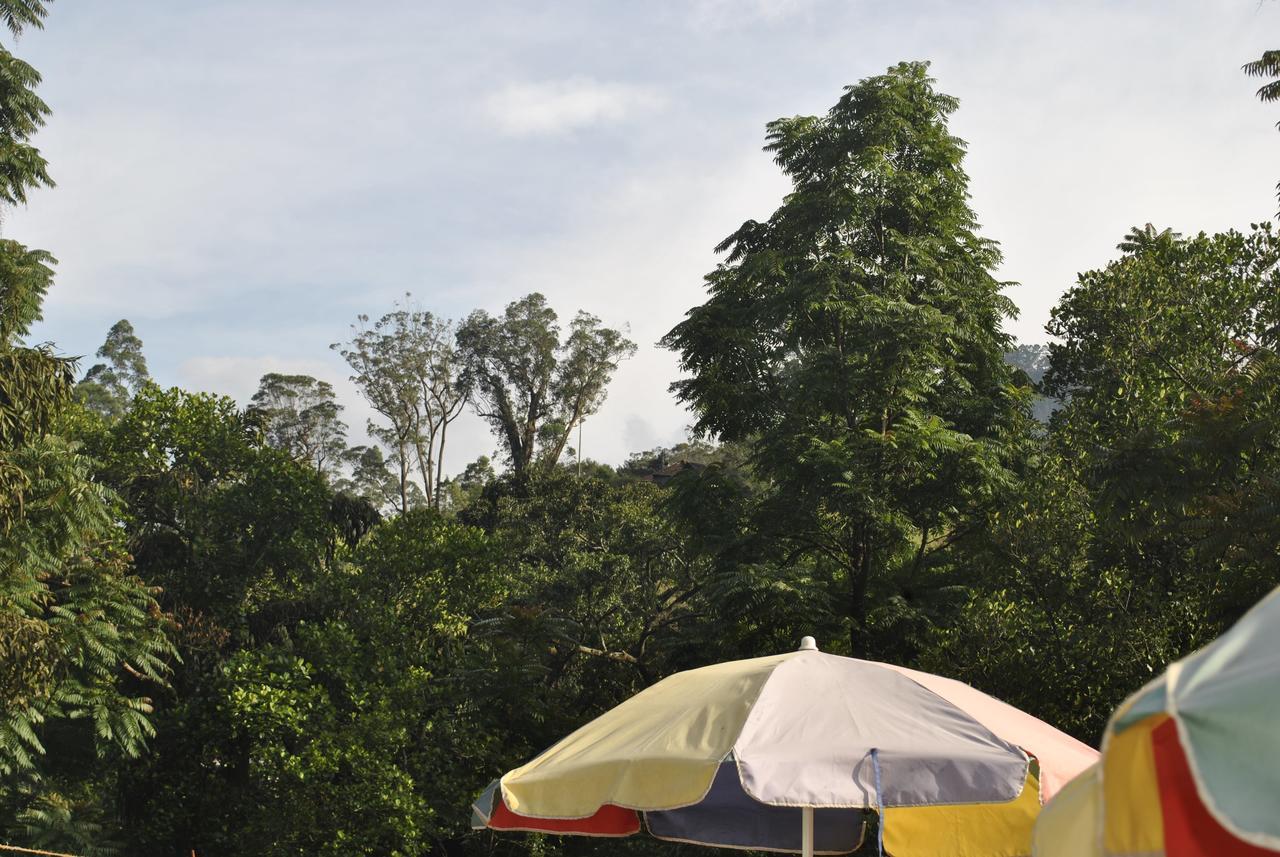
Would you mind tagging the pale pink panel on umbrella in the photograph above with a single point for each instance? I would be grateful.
(809, 739)
(1061, 757)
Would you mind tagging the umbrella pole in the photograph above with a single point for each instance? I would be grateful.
(806, 831)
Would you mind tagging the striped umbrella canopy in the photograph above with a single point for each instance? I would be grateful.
(793, 753)
(1190, 764)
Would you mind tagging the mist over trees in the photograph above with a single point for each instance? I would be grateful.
(236, 630)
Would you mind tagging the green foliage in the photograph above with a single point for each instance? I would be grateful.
(240, 536)
(1144, 529)
(216, 517)
(55, 820)
(605, 576)
(22, 113)
(34, 382)
(84, 641)
(22, 167)
(25, 278)
(1267, 65)
(1159, 329)
(74, 614)
(467, 487)
(17, 15)
(34, 385)
(369, 704)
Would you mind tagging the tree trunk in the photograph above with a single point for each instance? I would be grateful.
(404, 479)
(576, 417)
(859, 580)
(424, 456)
(444, 427)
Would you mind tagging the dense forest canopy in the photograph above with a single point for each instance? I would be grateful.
(230, 630)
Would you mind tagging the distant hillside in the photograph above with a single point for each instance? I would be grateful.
(1033, 359)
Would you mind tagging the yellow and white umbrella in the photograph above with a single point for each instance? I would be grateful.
(790, 753)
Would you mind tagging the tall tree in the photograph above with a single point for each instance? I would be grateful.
(406, 368)
(301, 416)
(532, 388)
(854, 340)
(108, 386)
(238, 535)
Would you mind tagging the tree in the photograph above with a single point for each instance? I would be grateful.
(531, 388)
(81, 634)
(1145, 526)
(216, 516)
(854, 341)
(1174, 320)
(107, 387)
(437, 368)
(301, 416)
(406, 368)
(1054, 621)
(605, 582)
(1167, 358)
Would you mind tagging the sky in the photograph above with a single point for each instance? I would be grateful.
(241, 178)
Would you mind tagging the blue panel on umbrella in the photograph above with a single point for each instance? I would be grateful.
(727, 817)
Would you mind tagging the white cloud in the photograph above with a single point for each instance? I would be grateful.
(558, 106)
(730, 14)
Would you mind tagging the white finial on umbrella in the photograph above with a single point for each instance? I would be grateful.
(808, 644)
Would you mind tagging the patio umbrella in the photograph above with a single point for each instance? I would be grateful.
(1190, 764)
(791, 753)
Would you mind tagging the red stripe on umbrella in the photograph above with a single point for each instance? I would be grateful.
(1189, 829)
(610, 820)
